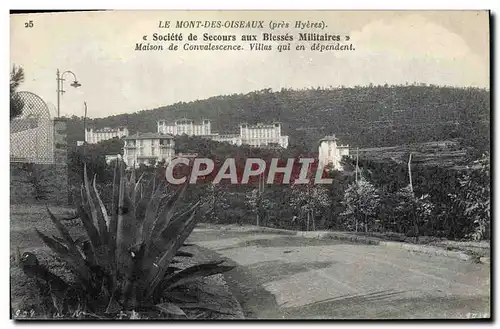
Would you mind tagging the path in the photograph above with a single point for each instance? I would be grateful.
(282, 276)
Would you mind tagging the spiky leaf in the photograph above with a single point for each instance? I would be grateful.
(66, 236)
(178, 236)
(166, 239)
(113, 223)
(103, 228)
(194, 272)
(170, 308)
(90, 201)
(207, 307)
(181, 253)
(162, 221)
(74, 260)
(91, 230)
(128, 230)
(152, 213)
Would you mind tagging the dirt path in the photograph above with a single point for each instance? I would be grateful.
(283, 276)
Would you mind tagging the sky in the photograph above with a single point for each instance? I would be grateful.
(394, 47)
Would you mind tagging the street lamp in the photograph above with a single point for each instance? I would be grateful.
(60, 90)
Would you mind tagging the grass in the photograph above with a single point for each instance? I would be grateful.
(24, 291)
(25, 218)
(25, 299)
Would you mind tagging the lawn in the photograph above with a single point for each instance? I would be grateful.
(25, 218)
(23, 221)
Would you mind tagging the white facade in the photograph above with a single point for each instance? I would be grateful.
(185, 126)
(263, 135)
(330, 153)
(259, 135)
(148, 149)
(228, 138)
(95, 136)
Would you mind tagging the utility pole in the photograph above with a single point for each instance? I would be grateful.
(357, 167)
(259, 197)
(413, 214)
(84, 130)
(59, 91)
(357, 161)
(409, 174)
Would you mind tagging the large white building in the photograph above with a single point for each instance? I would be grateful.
(148, 149)
(259, 135)
(330, 153)
(95, 136)
(185, 126)
(262, 135)
(234, 139)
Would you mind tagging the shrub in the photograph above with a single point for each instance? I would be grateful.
(126, 262)
(362, 201)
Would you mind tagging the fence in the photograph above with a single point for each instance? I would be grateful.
(38, 154)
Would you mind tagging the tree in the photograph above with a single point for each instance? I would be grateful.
(16, 103)
(253, 199)
(216, 198)
(361, 200)
(309, 200)
(413, 212)
(474, 198)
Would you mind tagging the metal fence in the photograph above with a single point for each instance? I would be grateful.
(32, 133)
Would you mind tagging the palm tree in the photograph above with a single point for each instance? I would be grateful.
(16, 103)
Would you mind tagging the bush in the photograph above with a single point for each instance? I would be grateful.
(126, 262)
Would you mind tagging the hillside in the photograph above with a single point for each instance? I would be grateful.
(373, 116)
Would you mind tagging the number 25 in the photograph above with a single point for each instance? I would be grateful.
(28, 24)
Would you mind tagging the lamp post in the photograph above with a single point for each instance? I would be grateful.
(60, 90)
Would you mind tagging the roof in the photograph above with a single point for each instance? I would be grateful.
(148, 136)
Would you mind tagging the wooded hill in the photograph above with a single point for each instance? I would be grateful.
(371, 116)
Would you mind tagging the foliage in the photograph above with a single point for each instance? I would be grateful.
(364, 116)
(361, 201)
(309, 201)
(254, 202)
(446, 191)
(93, 157)
(217, 198)
(474, 198)
(126, 261)
(16, 103)
(39, 191)
(413, 212)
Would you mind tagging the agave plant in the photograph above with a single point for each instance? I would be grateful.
(125, 263)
